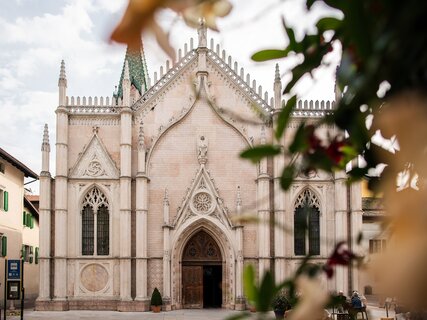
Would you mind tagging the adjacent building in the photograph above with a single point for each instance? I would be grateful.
(19, 231)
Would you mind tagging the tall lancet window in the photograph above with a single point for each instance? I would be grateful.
(307, 224)
(95, 235)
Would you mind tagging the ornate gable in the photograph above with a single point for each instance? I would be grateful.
(94, 162)
(202, 200)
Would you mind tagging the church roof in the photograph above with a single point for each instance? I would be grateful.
(138, 73)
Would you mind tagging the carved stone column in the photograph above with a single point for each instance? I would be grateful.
(61, 199)
(240, 298)
(263, 208)
(166, 254)
(341, 276)
(141, 226)
(356, 225)
(125, 194)
(44, 224)
(279, 195)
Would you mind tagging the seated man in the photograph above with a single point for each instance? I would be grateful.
(356, 302)
(342, 304)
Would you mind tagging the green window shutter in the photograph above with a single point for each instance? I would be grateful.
(31, 221)
(36, 260)
(27, 221)
(4, 246)
(24, 217)
(23, 252)
(31, 256)
(6, 201)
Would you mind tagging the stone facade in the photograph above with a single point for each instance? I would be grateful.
(166, 161)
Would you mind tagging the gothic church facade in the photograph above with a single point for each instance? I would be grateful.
(149, 188)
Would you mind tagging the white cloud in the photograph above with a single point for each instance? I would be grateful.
(33, 45)
(8, 81)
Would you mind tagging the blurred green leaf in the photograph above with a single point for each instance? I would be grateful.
(287, 177)
(291, 36)
(267, 292)
(284, 116)
(300, 140)
(328, 23)
(249, 286)
(256, 153)
(269, 54)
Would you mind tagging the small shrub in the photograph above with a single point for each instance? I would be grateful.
(281, 303)
(156, 298)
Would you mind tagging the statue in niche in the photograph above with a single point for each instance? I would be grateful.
(202, 146)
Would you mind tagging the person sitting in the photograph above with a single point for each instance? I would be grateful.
(356, 302)
(342, 302)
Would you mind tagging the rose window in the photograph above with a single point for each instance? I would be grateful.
(202, 202)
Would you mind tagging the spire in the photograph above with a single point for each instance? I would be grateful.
(45, 143)
(62, 75)
(277, 73)
(138, 74)
(62, 85)
(277, 89)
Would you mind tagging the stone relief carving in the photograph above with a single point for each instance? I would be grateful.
(202, 202)
(202, 199)
(94, 162)
(94, 277)
(94, 168)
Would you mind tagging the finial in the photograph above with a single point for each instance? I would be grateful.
(45, 143)
(166, 198)
(115, 91)
(126, 75)
(141, 143)
(277, 73)
(263, 139)
(62, 75)
(201, 31)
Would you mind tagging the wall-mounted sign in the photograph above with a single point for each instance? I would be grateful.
(14, 269)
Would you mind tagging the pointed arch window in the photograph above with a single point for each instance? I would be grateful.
(95, 224)
(307, 224)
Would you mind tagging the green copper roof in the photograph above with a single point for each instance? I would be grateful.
(137, 70)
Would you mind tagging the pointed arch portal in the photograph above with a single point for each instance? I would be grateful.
(202, 271)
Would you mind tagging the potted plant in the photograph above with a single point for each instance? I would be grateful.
(156, 301)
(280, 305)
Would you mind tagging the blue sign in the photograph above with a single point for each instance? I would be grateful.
(14, 269)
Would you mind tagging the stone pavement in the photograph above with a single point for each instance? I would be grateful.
(206, 314)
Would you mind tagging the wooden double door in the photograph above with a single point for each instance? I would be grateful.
(202, 273)
(202, 286)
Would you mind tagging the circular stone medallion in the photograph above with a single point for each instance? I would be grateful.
(94, 277)
(202, 202)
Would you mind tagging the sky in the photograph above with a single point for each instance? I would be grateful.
(37, 34)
